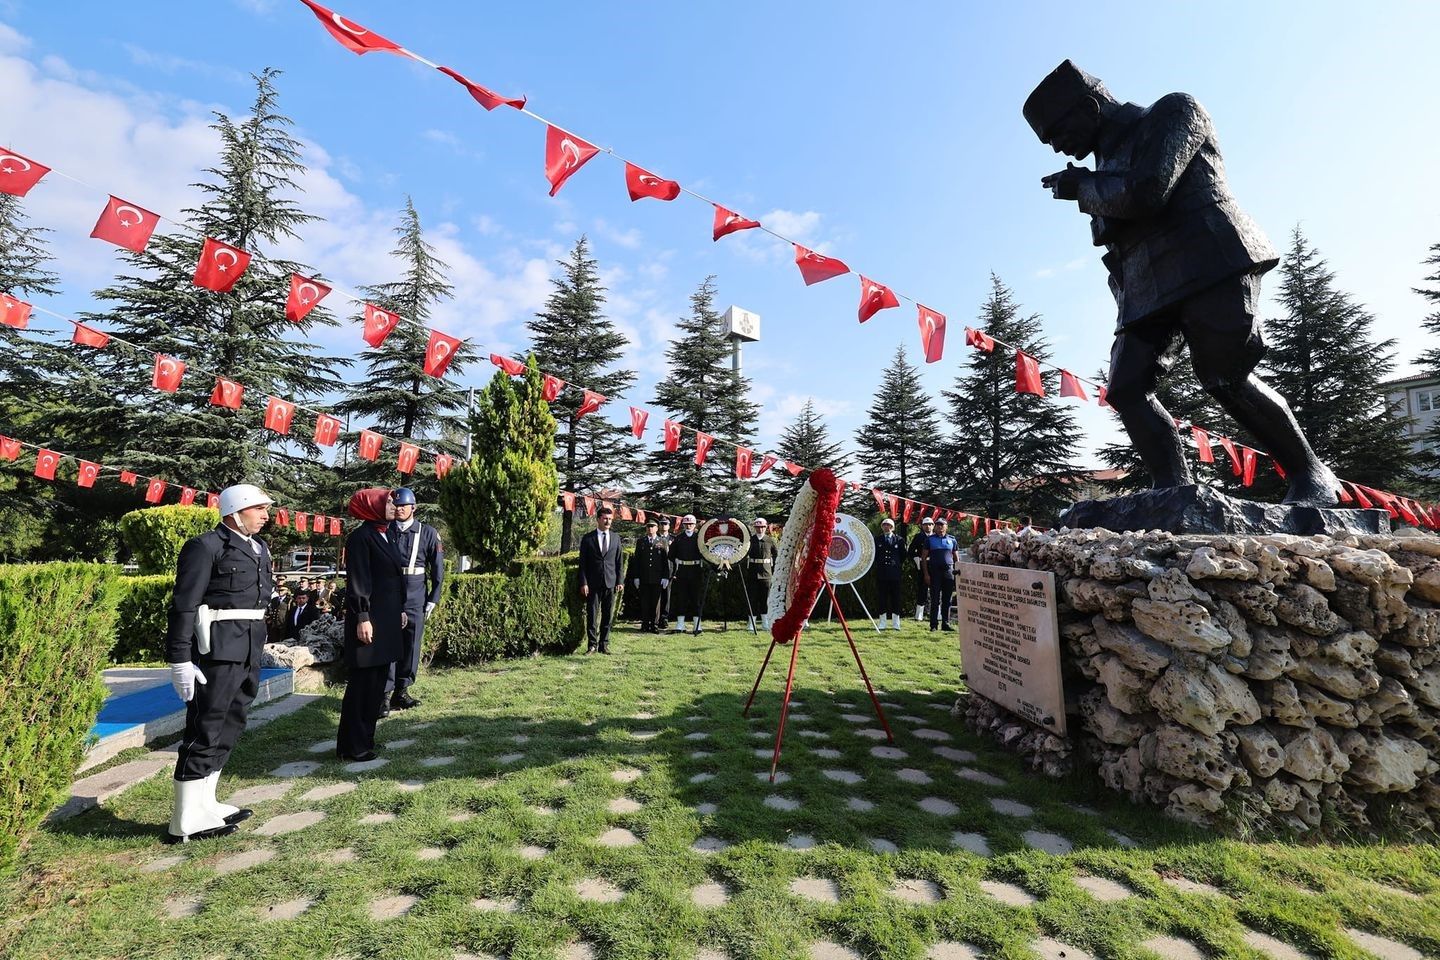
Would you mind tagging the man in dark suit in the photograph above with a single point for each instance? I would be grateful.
(305, 613)
(649, 573)
(601, 578)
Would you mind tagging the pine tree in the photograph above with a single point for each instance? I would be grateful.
(397, 398)
(807, 443)
(575, 341)
(705, 394)
(1010, 453)
(1429, 457)
(497, 504)
(899, 432)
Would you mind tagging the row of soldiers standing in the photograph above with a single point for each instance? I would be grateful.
(667, 572)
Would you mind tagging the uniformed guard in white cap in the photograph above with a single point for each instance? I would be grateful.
(759, 564)
(685, 574)
(889, 569)
(216, 634)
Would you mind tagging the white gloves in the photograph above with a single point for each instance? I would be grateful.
(183, 677)
(635, 584)
(429, 609)
(664, 584)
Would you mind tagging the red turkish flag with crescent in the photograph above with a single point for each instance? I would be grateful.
(45, 463)
(1070, 386)
(1202, 443)
(743, 458)
(643, 183)
(637, 421)
(90, 337)
(513, 367)
(282, 517)
(568, 499)
(370, 444)
(487, 98)
(703, 443)
(592, 402)
(334, 526)
(979, 339)
(155, 490)
(728, 222)
(278, 414)
(128, 478)
(439, 352)
(1247, 466)
(672, 435)
(875, 297)
(9, 448)
(305, 295)
(564, 154)
(327, 430)
(352, 36)
(125, 225)
(625, 513)
(766, 462)
(909, 510)
(794, 468)
(302, 522)
(590, 506)
(1229, 447)
(879, 500)
(17, 174)
(550, 388)
(212, 501)
(1101, 400)
(227, 393)
(168, 372)
(640, 516)
(220, 266)
(443, 463)
(378, 324)
(187, 496)
(1027, 374)
(14, 312)
(932, 333)
(409, 455)
(815, 267)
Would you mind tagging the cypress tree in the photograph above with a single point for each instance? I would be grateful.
(805, 442)
(899, 432)
(1429, 456)
(574, 340)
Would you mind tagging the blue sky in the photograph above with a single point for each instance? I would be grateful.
(891, 139)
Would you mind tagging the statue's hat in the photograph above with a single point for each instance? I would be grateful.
(1066, 86)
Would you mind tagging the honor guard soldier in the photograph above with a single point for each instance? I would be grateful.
(662, 620)
(939, 556)
(917, 548)
(685, 574)
(422, 558)
(649, 574)
(759, 564)
(889, 568)
(223, 587)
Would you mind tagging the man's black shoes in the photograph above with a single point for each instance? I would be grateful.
(365, 757)
(401, 700)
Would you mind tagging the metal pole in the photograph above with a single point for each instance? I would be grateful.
(735, 356)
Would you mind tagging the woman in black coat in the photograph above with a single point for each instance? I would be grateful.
(374, 617)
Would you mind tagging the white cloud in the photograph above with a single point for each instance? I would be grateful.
(170, 63)
(760, 247)
(630, 239)
(1044, 273)
(11, 40)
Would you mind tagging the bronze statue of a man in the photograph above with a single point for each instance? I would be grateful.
(1185, 266)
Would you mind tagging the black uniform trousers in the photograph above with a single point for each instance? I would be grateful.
(360, 710)
(758, 593)
(942, 590)
(889, 591)
(685, 587)
(215, 716)
(599, 606)
(403, 672)
(922, 592)
(650, 605)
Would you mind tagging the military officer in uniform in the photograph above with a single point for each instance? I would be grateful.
(917, 549)
(759, 564)
(223, 587)
(939, 557)
(889, 568)
(649, 574)
(685, 574)
(662, 620)
(422, 560)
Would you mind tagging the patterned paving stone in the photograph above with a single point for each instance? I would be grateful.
(496, 905)
(1173, 948)
(1271, 947)
(760, 734)
(365, 766)
(410, 786)
(842, 776)
(437, 761)
(819, 889)
(701, 754)
(704, 777)
(1008, 893)
(430, 853)
(647, 715)
(794, 717)
(533, 851)
(859, 805)
(929, 733)
(912, 719)
(372, 819)
(939, 807)
(765, 753)
(455, 741)
(579, 950)
(339, 856)
(1103, 888)
(1186, 885)
(1383, 947)
(979, 776)
(1122, 840)
(801, 842)
(1052, 949)
(540, 810)
(881, 845)
(872, 733)
(625, 775)
(706, 809)
(911, 775)
(387, 908)
(180, 907)
(917, 891)
(1049, 842)
(697, 735)
(288, 910)
(509, 758)
(259, 794)
(780, 777)
(855, 717)
(598, 891)
(814, 735)
(950, 753)
(297, 768)
(953, 950)
(460, 816)
(321, 746)
(624, 805)
(826, 753)
(1011, 808)
(617, 837)
(644, 734)
(973, 842)
(710, 895)
(709, 845)
(775, 802)
(161, 863)
(830, 950)
(289, 823)
(328, 791)
(888, 753)
(399, 744)
(243, 861)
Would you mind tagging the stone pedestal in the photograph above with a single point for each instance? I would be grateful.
(1200, 509)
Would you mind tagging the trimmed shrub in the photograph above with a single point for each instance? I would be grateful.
(156, 534)
(486, 616)
(144, 614)
(57, 622)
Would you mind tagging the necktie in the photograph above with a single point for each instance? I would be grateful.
(604, 542)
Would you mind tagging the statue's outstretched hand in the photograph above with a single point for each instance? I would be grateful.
(1065, 184)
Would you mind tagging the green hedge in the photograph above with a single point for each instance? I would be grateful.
(57, 622)
(486, 616)
(156, 534)
(144, 615)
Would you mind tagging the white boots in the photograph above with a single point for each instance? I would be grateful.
(920, 613)
(884, 622)
(897, 622)
(679, 624)
(192, 817)
(227, 812)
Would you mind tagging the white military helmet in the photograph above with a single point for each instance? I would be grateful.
(688, 518)
(241, 497)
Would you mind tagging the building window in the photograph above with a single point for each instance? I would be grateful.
(1426, 401)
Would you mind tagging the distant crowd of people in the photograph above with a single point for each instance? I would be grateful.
(295, 606)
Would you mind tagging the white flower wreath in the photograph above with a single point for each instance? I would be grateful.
(792, 542)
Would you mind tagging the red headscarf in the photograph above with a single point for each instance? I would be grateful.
(369, 505)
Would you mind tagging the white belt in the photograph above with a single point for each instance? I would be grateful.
(237, 614)
(205, 615)
(413, 571)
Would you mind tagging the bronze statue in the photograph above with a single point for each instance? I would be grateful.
(1185, 266)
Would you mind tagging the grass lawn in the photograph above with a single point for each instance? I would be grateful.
(620, 807)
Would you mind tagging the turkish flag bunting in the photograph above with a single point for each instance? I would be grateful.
(1202, 443)
(815, 267)
(568, 499)
(278, 414)
(1278, 469)
(1404, 505)
(642, 183)
(949, 515)
(550, 388)
(1070, 386)
(639, 516)
(302, 522)
(1229, 447)
(9, 448)
(794, 468)
(672, 435)
(564, 154)
(875, 297)
(513, 367)
(703, 442)
(909, 510)
(168, 372)
(443, 463)
(125, 225)
(894, 503)
(932, 333)
(625, 513)
(409, 454)
(352, 36)
(879, 500)
(282, 517)
(128, 478)
(766, 462)
(439, 352)
(13, 312)
(370, 444)
(187, 496)
(1027, 374)
(18, 175)
(590, 506)
(1247, 463)
(488, 99)
(89, 337)
(305, 295)
(155, 491)
(327, 430)
(742, 462)
(212, 501)
(220, 266)
(979, 339)
(334, 526)
(1380, 497)
(45, 463)
(637, 421)
(1101, 391)
(1359, 497)
(378, 324)
(227, 393)
(728, 222)
(592, 402)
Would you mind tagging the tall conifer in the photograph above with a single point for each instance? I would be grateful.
(900, 432)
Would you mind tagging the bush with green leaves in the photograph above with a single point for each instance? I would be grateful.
(485, 616)
(57, 623)
(144, 617)
(156, 534)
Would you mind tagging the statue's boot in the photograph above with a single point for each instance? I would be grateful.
(1153, 435)
(1262, 411)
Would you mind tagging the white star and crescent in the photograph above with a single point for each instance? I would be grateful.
(568, 146)
(225, 251)
(347, 26)
(300, 292)
(441, 351)
(5, 160)
(120, 215)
